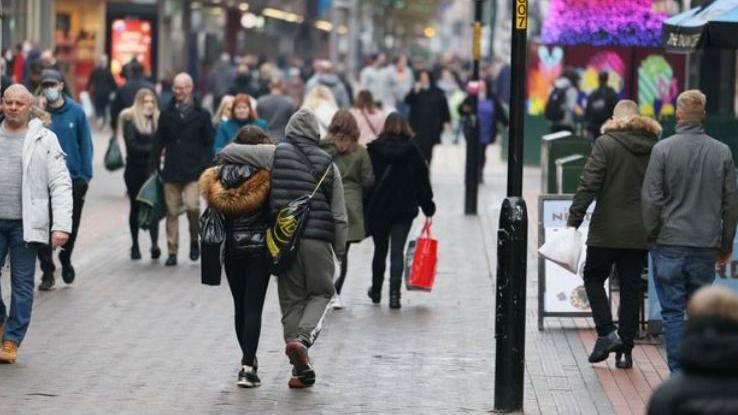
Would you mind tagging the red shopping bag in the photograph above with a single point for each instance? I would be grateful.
(423, 269)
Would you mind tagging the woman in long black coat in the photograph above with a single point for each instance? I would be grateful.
(428, 113)
(402, 185)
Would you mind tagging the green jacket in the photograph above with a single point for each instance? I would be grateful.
(358, 178)
(614, 176)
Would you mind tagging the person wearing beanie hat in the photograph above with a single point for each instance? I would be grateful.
(690, 209)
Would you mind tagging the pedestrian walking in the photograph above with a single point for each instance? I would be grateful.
(403, 185)
(33, 173)
(221, 78)
(125, 95)
(708, 381)
(137, 126)
(401, 81)
(69, 123)
(690, 209)
(185, 134)
(490, 113)
(306, 287)
(242, 114)
(324, 76)
(369, 117)
(224, 111)
(276, 109)
(352, 160)
(375, 79)
(429, 113)
(321, 102)
(101, 85)
(600, 105)
(613, 176)
(562, 106)
(240, 192)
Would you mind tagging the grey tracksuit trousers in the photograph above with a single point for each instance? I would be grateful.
(305, 290)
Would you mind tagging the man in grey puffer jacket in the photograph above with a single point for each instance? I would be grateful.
(306, 288)
(690, 207)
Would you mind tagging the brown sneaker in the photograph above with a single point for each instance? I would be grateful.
(303, 374)
(8, 352)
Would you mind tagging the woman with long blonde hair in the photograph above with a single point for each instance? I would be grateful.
(223, 113)
(137, 126)
(320, 101)
(352, 160)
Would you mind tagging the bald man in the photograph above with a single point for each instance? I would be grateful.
(33, 173)
(185, 135)
(613, 176)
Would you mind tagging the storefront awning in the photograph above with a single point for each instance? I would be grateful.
(711, 26)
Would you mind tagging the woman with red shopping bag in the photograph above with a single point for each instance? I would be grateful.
(402, 185)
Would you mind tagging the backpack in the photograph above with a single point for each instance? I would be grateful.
(283, 237)
(554, 110)
(599, 107)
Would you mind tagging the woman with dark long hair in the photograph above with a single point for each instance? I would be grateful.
(369, 118)
(353, 162)
(403, 185)
(240, 192)
(137, 126)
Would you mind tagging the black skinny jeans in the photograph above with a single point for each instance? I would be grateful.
(45, 257)
(344, 269)
(248, 277)
(393, 237)
(629, 265)
(135, 177)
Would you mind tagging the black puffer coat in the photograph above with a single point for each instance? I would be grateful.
(402, 183)
(708, 382)
(240, 193)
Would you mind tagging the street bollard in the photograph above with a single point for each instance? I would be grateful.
(512, 247)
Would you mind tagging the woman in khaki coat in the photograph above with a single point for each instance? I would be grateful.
(342, 143)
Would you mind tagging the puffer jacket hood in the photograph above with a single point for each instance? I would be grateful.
(393, 148)
(636, 133)
(303, 124)
(247, 198)
(710, 347)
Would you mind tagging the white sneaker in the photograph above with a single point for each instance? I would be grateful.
(336, 303)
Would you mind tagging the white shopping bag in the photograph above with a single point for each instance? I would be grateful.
(86, 102)
(564, 247)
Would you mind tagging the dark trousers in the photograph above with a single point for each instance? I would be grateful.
(248, 277)
(392, 240)
(427, 150)
(344, 269)
(629, 266)
(135, 177)
(79, 190)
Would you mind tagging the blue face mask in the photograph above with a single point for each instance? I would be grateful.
(51, 94)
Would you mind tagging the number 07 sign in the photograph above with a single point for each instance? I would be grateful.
(521, 14)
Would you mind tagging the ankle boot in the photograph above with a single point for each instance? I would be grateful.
(624, 359)
(394, 301)
(374, 295)
(604, 346)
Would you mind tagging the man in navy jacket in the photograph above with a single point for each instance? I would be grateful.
(69, 123)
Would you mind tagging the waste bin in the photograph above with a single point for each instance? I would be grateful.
(555, 146)
(568, 171)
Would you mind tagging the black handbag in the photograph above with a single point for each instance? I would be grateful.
(212, 236)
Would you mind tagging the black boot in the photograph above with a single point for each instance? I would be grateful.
(624, 359)
(135, 252)
(47, 282)
(171, 261)
(194, 251)
(394, 302)
(374, 295)
(604, 346)
(67, 270)
(155, 252)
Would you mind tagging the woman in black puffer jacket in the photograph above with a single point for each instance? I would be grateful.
(240, 193)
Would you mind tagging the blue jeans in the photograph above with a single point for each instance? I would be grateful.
(679, 271)
(23, 269)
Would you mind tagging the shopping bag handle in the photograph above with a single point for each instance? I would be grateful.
(426, 231)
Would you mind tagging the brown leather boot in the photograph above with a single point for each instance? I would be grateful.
(8, 352)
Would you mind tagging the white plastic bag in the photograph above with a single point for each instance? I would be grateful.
(86, 102)
(564, 247)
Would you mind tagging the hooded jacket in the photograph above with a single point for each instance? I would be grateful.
(708, 381)
(402, 183)
(69, 123)
(613, 175)
(243, 205)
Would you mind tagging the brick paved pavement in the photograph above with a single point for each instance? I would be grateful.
(138, 338)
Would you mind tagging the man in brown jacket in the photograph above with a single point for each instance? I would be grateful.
(613, 176)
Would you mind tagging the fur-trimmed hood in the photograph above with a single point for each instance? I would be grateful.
(247, 198)
(636, 133)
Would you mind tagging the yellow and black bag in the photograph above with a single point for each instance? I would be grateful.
(283, 237)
